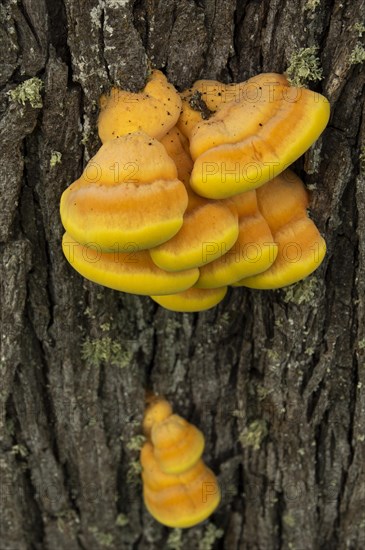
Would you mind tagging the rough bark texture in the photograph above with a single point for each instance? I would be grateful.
(274, 379)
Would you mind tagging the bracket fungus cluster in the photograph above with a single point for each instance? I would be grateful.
(179, 490)
(191, 192)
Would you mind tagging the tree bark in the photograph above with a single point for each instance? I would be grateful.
(274, 379)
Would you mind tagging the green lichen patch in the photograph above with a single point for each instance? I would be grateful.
(211, 534)
(122, 520)
(19, 450)
(312, 5)
(359, 28)
(104, 539)
(29, 90)
(174, 540)
(303, 292)
(289, 520)
(56, 157)
(357, 55)
(134, 473)
(136, 443)
(361, 344)
(273, 356)
(237, 413)
(95, 16)
(96, 351)
(263, 393)
(254, 434)
(304, 66)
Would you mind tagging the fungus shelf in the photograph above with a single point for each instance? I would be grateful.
(191, 193)
(173, 473)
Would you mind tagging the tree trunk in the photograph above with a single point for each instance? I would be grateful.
(274, 379)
